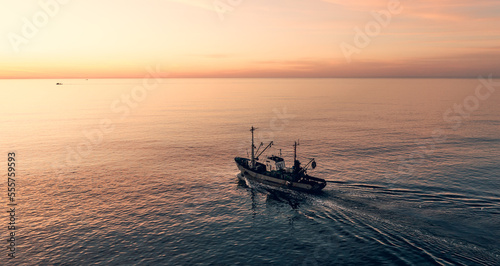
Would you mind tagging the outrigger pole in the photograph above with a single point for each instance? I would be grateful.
(267, 147)
(307, 165)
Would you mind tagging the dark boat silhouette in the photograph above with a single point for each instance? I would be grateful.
(275, 173)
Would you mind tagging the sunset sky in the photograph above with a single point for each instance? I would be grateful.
(248, 38)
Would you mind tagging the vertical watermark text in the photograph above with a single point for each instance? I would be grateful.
(11, 204)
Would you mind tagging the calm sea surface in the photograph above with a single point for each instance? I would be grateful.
(111, 173)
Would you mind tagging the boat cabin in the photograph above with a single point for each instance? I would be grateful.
(275, 163)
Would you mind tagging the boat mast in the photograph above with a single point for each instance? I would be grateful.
(253, 152)
(294, 151)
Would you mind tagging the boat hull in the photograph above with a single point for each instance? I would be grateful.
(250, 174)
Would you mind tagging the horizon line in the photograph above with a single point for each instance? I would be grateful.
(198, 77)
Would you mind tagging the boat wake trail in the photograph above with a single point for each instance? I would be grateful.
(365, 223)
(397, 231)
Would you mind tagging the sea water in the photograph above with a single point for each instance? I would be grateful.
(131, 171)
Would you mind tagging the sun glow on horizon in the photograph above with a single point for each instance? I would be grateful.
(195, 38)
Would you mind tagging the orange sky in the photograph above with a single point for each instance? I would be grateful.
(249, 38)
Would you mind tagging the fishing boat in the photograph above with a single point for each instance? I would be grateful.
(274, 171)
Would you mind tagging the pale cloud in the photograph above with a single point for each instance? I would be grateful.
(359, 4)
(366, 4)
(467, 64)
(203, 4)
(214, 56)
(424, 12)
(442, 10)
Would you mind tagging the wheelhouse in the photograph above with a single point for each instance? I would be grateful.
(275, 163)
